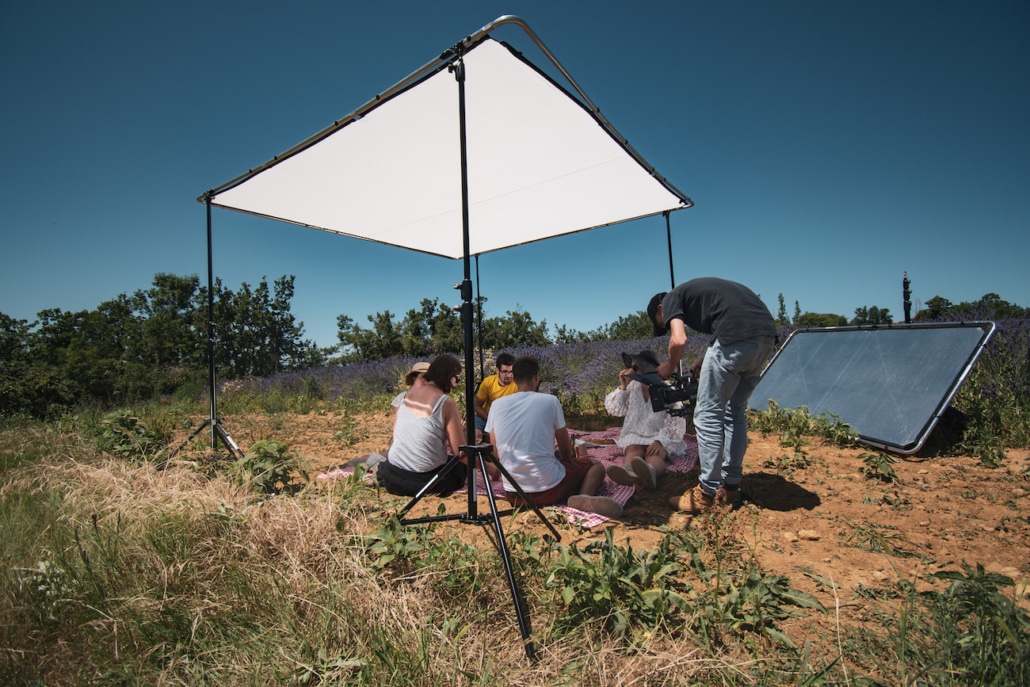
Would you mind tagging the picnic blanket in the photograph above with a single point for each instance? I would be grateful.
(599, 446)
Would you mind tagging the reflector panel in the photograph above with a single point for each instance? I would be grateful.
(890, 384)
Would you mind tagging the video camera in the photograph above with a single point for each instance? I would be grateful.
(676, 396)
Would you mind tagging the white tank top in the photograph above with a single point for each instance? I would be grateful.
(419, 443)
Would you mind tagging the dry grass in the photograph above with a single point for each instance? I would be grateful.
(179, 576)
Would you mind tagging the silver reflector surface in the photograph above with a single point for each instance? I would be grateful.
(891, 384)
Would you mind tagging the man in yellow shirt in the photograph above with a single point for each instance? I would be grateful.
(492, 388)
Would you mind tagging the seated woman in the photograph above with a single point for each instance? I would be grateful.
(647, 438)
(426, 423)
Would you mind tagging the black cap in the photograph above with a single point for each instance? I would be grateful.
(652, 311)
(646, 361)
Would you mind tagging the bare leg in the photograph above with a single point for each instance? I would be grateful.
(644, 464)
(625, 474)
(593, 480)
(657, 461)
(631, 452)
(586, 499)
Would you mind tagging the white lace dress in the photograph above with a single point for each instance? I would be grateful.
(642, 425)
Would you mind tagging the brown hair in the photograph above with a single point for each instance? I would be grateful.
(524, 369)
(443, 368)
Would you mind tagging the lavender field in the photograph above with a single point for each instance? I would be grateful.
(993, 403)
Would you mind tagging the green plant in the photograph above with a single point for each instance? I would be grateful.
(454, 565)
(789, 464)
(350, 431)
(879, 466)
(984, 445)
(880, 539)
(626, 590)
(895, 499)
(738, 598)
(968, 634)
(124, 434)
(871, 537)
(269, 467)
(830, 426)
(982, 634)
(394, 544)
(792, 424)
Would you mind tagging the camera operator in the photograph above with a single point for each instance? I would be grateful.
(647, 437)
(743, 337)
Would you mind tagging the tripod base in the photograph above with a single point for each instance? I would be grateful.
(480, 454)
(218, 432)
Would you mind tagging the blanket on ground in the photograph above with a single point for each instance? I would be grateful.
(599, 446)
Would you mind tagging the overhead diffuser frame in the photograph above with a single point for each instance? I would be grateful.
(453, 60)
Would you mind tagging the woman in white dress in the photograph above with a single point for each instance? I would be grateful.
(647, 438)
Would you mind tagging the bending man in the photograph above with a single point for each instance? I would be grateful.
(743, 337)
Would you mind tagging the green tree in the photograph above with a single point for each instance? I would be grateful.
(255, 332)
(171, 335)
(383, 340)
(516, 328)
(781, 313)
(564, 335)
(990, 306)
(431, 329)
(872, 315)
(27, 384)
(812, 319)
(627, 328)
(92, 353)
(936, 308)
(631, 327)
(131, 348)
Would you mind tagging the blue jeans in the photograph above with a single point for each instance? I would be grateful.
(729, 374)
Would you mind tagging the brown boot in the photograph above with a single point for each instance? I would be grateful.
(694, 502)
(728, 495)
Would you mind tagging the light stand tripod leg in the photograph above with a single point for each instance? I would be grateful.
(502, 547)
(480, 454)
(219, 431)
(227, 440)
(198, 430)
(444, 471)
(527, 499)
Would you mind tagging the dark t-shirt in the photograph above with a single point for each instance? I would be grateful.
(729, 311)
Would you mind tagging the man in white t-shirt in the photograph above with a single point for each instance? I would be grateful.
(524, 428)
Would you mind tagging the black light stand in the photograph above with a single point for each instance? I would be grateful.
(906, 297)
(668, 237)
(217, 431)
(478, 454)
(479, 322)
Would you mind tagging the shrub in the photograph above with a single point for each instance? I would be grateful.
(270, 467)
(123, 433)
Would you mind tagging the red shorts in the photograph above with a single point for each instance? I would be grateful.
(575, 472)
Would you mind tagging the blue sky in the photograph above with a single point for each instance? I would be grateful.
(829, 147)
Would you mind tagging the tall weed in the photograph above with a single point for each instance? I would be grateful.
(969, 634)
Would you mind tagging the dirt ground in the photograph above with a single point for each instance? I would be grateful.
(825, 520)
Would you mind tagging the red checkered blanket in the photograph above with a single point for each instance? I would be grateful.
(601, 451)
